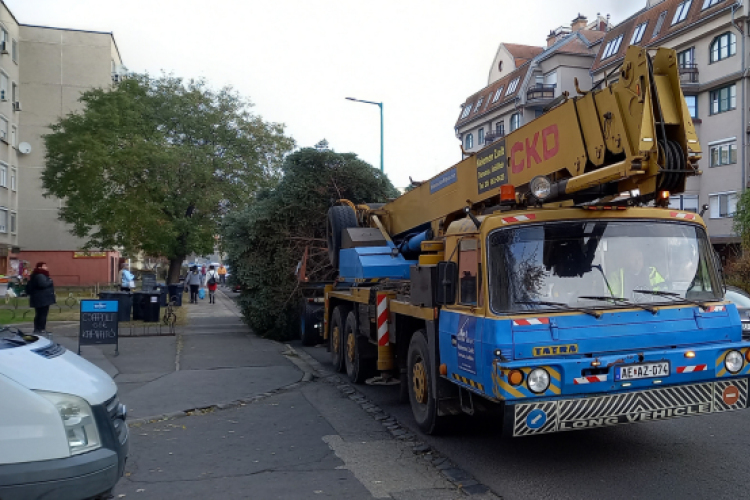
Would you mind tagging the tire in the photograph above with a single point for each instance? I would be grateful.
(339, 218)
(311, 314)
(336, 338)
(421, 397)
(357, 369)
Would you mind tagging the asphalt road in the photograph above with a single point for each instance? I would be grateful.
(696, 457)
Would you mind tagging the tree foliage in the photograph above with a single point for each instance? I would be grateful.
(742, 220)
(152, 164)
(267, 240)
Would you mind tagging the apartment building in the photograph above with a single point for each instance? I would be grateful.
(712, 54)
(43, 72)
(523, 80)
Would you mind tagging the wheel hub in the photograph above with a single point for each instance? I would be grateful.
(419, 380)
(350, 347)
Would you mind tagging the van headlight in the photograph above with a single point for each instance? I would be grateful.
(78, 421)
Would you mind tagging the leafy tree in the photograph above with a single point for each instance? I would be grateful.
(152, 165)
(267, 240)
(742, 220)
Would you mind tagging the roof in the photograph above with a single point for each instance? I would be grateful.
(651, 15)
(576, 43)
(523, 51)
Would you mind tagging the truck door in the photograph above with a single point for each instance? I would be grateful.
(461, 324)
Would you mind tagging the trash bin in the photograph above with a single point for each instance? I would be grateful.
(175, 293)
(161, 288)
(125, 303)
(146, 306)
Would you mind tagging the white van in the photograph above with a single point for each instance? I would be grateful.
(62, 428)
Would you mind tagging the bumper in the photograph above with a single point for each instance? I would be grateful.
(626, 408)
(74, 478)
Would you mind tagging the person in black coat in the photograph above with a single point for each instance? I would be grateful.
(41, 292)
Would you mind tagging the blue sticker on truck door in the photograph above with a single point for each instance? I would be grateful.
(465, 344)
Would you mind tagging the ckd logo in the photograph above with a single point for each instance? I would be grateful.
(525, 154)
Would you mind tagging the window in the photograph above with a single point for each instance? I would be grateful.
(14, 50)
(3, 175)
(681, 12)
(14, 93)
(515, 121)
(3, 129)
(659, 22)
(638, 33)
(686, 58)
(4, 37)
(468, 267)
(722, 205)
(512, 86)
(498, 94)
(13, 223)
(612, 47)
(723, 46)
(467, 110)
(480, 136)
(13, 177)
(539, 79)
(692, 104)
(500, 127)
(550, 78)
(724, 99)
(4, 87)
(469, 141)
(479, 104)
(687, 202)
(709, 3)
(723, 154)
(3, 220)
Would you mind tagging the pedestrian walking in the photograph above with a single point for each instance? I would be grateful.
(212, 282)
(203, 269)
(194, 280)
(127, 279)
(41, 292)
(222, 274)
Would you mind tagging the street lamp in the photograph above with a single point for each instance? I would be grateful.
(380, 105)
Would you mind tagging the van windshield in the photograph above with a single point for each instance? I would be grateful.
(600, 264)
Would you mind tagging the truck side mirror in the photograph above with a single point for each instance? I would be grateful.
(447, 276)
(704, 208)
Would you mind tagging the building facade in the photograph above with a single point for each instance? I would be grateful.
(523, 80)
(43, 72)
(712, 56)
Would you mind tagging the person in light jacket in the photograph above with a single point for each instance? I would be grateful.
(41, 292)
(212, 283)
(127, 279)
(194, 280)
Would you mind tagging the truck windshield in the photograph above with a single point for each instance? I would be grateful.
(600, 264)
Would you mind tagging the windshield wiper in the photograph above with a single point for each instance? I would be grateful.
(676, 297)
(595, 314)
(625, 301)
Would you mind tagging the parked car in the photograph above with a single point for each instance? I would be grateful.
(741, 299)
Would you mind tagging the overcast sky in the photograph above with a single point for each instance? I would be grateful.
(298, 59)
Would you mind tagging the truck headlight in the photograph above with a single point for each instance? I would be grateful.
(78, 421)
(538, 380)
(733, 361)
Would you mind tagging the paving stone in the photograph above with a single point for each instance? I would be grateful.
(381, 417)
(405, 437)
(445, 465)
(456, 475)
(398, 432)
(475, 489)
(367, 405)
(421, 448)
(438, 460)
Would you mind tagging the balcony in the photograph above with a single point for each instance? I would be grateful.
(540, 92)
(491, 137)
(688, 73)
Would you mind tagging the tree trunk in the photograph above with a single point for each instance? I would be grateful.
(173, 277)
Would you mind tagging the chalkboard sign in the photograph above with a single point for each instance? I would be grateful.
(148, 282)
(99, 325)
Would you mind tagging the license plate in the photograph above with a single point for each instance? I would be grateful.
(644, 370)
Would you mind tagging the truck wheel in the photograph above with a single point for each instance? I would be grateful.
(336, 338)
(423, 401)
(357, 369)
(339, 218)
(311, 315)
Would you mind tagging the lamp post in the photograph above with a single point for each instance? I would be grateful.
(380, 105)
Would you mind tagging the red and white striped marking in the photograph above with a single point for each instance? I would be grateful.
(383, 337)
(690, 369)
(591, 379)
(681, 215)
(531, 321)
(713, 309)
(518, 218)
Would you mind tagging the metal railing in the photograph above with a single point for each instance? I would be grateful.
(688, 73)
(541, 91)
(491, 137)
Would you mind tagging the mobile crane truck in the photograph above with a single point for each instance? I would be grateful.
(545, 277)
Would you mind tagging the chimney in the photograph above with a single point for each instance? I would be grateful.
(551, 39)
(578, 23)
